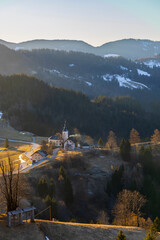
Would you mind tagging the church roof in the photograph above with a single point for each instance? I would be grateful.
(56, 137)
(72, 139)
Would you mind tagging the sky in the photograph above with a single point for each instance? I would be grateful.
(93, 21)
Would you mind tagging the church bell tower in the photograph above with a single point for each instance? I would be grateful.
(65, 132)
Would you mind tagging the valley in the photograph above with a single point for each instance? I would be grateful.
(99, 95)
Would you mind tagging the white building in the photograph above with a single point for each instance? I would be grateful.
(69, 144)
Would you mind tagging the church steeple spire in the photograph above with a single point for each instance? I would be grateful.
(65, 132)
(65, 126)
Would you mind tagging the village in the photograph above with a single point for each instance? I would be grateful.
(57, 142)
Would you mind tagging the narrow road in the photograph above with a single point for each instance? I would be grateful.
(34, 147)
(18, 141)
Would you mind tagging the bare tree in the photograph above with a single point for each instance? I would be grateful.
(111, 141)
(11, 184)
(128, 204)
(156, 136)
(134, 136)
(138, 202)
(103, 218)
(89, 140)
(122, 208)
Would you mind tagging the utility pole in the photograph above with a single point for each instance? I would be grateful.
(50, 214)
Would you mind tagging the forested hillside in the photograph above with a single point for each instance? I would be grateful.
(30, 104)
(12, 62)
(93, 75)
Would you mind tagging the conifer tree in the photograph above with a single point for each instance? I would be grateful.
(68, 191)
(44, 146)
(53, 204)
(42, 187)
(51, 189)
(100, 142)
(62, 172)
(156, 224)
(125, 149)
(121, 236)
(6, 144)
(152, 234)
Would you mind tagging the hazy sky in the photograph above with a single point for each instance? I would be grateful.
(94, 21)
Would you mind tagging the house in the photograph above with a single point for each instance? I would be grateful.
(85, 146)
(70, 144)
(38, 155)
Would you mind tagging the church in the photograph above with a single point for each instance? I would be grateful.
(60, 140)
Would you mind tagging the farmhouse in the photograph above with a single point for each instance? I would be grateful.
(70, 144)
(38, 155)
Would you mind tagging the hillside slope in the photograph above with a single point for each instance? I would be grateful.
(33, 106)
(23, 232)
(12, 62)
(77, 231)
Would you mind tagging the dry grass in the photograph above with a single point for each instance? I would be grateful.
(40, 139)
(106, 163)
(62, 154)
(28, 231)
(11, 133)
(77, 231)
(13, 153)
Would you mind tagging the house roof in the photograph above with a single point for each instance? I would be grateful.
(41, 152)
(72, 139)
(85, 144)
(15, 212)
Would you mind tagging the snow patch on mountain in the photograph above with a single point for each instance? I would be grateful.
(1, 114)
(111, 55)
(124, 81)
(33, 72)
(123, 68)
(53, 71)
(152, 63)
(71, 65)
(143, 73)
(19, 48)
(108, 77)
(89, 83)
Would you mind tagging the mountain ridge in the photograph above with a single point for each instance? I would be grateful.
(129, 48)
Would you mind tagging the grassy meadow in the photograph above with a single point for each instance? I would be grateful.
(14, 151)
